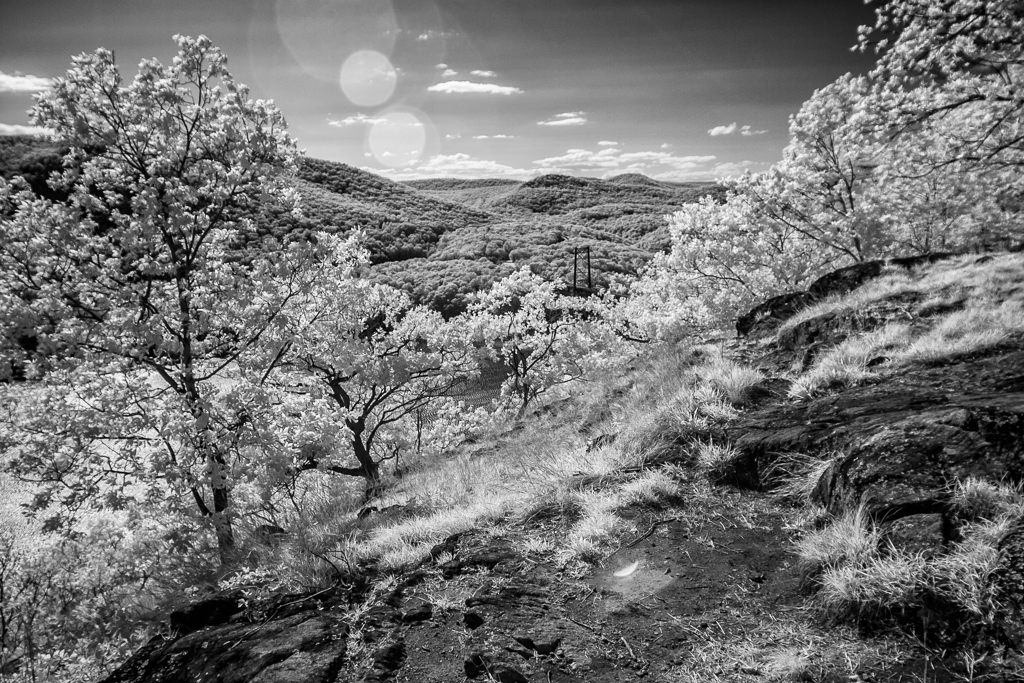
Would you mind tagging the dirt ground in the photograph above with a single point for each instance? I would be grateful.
(708, 590)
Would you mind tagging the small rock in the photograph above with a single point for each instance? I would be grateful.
(475, 665)
(389, 658)
(542, 646)
(472, 620)
(506, 674)
(419, 613)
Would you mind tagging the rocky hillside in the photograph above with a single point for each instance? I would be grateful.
(831, 496)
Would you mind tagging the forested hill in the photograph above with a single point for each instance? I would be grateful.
(442, 239)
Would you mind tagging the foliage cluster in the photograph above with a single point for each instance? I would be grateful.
(921, 155)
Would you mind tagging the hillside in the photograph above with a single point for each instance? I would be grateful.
(833, 496)
(441, 240)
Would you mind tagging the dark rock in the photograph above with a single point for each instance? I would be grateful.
(205, 613)
(765, 318)
(421, 612)
(476, 665)
(829, 329)
(390, 657)
(845, 279)
(542, 644)
(298, 649)
(902, 439)
(504, 673)
(1008, 580)
(472, 620)
(485, 559)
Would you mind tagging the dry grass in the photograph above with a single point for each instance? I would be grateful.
(974, 303)
(851, 538)
(848, 364)
(863, 577)
(513, 470)
(976, 328)
(873, 584)
(730, 379)
(789, 647)
(795, 476)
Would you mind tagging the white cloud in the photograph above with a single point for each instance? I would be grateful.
(469, 87)
(354, 120)
(727, 129)
(611, 161)
(499, 136)
(431, 34)
(453, 136)
(19, 129)
(734, 127)
(607, 143)
(569, 118)
(448, 73)
(457, 165)
(666, 145)
(442, 65)
(483, 73)
(23, 83)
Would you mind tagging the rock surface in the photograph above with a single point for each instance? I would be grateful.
(709, 573)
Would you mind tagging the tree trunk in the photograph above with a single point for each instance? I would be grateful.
(370, 468)
(220, 517)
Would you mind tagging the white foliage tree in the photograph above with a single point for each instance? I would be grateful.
(131, 302)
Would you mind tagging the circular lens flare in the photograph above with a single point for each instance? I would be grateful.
(320, 34)
(398, 139)
(368, 78)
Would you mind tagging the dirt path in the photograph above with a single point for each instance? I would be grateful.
(714, 596)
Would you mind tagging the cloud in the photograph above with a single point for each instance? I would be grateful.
(569, 118)
(448, 73)
(732, 169)
(432, 34)
(469, 87)
(354, 120)
(734, 127)
(23, 83)
(19, 129)
(666, 145)
(442, 65)
(459, 165)
(604, 162)
(607, 143)
(453, 136)
(499, 136)
(610, 161)
(728, 129)
(483, 73)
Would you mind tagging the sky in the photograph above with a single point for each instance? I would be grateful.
(675, 89)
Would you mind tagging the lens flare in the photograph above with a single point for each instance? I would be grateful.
(321, 34)
(398, 139)
(367, 78)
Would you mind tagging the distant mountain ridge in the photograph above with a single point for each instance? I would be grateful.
(443, 239)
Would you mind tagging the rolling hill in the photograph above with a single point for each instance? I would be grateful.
(442, 239)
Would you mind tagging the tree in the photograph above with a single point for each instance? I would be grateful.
(963, 57)
(543, 338)
(138, 303)
(361, 358)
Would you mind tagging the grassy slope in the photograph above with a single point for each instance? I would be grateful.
(718, 571)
